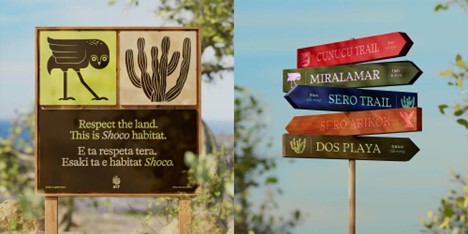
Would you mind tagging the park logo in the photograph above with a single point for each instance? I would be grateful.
(298, 145)
(116, 182)
(155, 86)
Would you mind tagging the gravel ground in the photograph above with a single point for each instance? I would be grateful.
(103, 223)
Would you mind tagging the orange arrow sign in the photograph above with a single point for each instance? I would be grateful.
(359, 122)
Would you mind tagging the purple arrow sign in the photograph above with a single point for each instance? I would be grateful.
(348, 99)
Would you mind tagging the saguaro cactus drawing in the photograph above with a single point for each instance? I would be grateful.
(298, 145)
(407, 102)
(154, 87)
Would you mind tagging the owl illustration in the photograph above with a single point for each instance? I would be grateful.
(77, 54)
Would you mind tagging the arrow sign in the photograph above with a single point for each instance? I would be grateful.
(348, 147)
(344, 99)
(359, 122)
(356, 50)
(353, 76)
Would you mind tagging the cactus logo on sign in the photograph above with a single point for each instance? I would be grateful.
(158, 68)
(407, 102)
(298, 145)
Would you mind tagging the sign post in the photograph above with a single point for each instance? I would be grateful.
(116, 110)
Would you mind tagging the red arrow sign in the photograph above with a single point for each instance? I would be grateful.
(359, 122)
(354, 51)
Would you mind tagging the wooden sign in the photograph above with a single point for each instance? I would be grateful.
(348, 147)
(117, 108)
(355, 50)
(353, 76)
(358, 122)
(348, 99)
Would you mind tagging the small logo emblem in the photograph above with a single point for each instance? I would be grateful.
(298, 146)
(305, 59)
(407, 118)
(116, 182)
(292, 77)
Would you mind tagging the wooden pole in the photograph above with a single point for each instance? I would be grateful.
(352, 196)
(185, 216)
(51, 215)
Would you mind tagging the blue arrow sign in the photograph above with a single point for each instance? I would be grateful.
(348, 99)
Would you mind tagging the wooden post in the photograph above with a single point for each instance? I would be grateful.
(185, 216)
(51, 215)
(352, 195)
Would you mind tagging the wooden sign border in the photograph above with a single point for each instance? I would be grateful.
(305, 97)
(118, 106)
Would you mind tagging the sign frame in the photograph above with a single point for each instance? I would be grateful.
(117, 106)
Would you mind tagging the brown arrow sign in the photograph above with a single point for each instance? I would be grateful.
(358, 122)
(348, 147)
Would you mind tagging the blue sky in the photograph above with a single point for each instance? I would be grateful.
(18, 19)
(391, 196)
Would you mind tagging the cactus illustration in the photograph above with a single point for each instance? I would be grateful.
(407, 102)
(298, 146)
(154, 86)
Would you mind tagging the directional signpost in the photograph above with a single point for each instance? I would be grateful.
(355, 50)
(343, 99)
(348, 147)
(353, 76)
(318, 84)
(359, 122)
